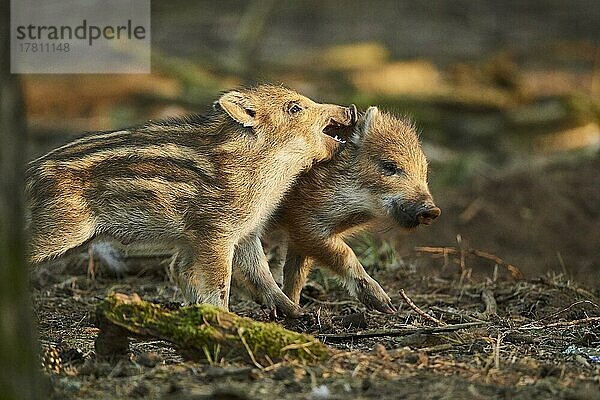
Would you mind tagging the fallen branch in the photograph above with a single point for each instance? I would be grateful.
(571, 306)
(400, 332)
(444, 251)
(455, 314)
(195, 330)
(418, 310)
(561, 323)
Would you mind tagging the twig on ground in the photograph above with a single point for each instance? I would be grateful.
(400, 332)
(419, 311)
(273, 366)
(455, 314)
(256, 363)
(560, 323)
(444, 251)
(497, 351)
(491, 307)
(571, 306)
(436, 349)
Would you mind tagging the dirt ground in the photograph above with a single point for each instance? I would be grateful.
(540, 217)
(538, 337)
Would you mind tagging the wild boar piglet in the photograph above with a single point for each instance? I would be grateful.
(199, 185)
(378, 178)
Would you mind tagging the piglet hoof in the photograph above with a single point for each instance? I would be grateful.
(276, 313)
(280, 306)
(373, 296)
(290, 310)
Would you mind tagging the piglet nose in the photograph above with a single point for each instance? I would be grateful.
(427, 214)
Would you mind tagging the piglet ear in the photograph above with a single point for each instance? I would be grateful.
(239, 107)
(365, 124)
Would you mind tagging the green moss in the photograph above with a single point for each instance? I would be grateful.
(202, 327)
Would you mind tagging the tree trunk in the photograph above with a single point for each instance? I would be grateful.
(18, 362)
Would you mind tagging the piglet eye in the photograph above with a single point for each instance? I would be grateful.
(295, 108)
(389, 167)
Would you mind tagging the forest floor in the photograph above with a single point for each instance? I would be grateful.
(534, 337)
(540, 341)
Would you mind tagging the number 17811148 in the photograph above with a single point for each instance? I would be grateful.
(44, 47)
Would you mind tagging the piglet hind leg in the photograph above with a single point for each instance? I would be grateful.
(204, 273)
(251, 270)
(295, 272)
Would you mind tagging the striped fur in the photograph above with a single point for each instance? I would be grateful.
(345, 195)
(199, 184)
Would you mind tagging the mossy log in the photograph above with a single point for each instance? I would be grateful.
(200, 332)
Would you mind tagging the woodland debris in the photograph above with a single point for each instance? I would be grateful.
(582, 321)
(422, 313)
(445, 251)
(491, 307)
(200, 332)
(401, 331)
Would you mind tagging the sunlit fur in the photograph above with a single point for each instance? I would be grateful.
(198, 185)
(348, 194)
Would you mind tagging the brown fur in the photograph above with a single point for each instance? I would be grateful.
(200, 185)
(348, 194)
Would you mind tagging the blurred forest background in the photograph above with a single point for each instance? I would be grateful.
(506, 95)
